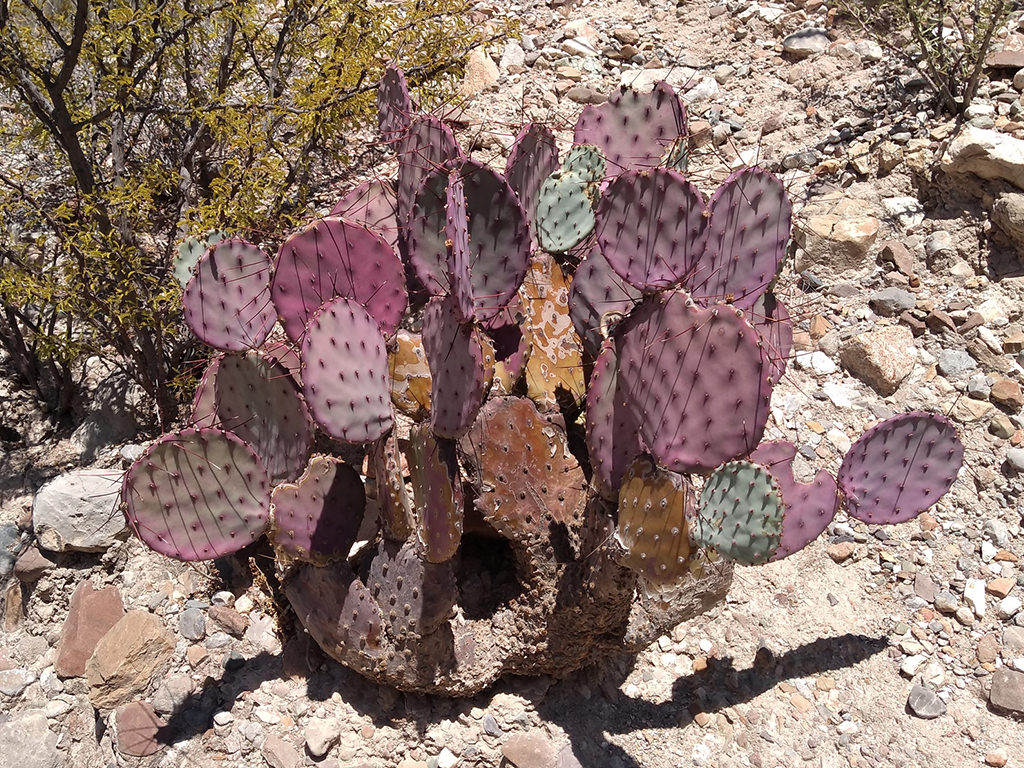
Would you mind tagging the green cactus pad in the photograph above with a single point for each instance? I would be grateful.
(740, 513)
(586, 161)
(565, 211)
(190, 250)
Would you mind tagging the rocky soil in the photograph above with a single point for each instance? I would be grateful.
(874, 647)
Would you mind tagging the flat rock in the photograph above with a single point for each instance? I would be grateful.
(882, 358)
(890, 302)
(78, 511)
(91, 614)
(172, 694)
(986, 153)
(280, 754)
(31, 565)
(924, 703)
(228, 619)
(28, 742)
(481, 73)
(806, 42)
(835, 234)
(137, 729)
(954, 363)
(532, 749)
(1007, 692)
(127, 658)
(321, 734)
(192, 624)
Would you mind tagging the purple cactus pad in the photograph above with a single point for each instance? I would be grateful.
(337, 609)
(746, 239)
(427, 146)
(197, 494)
(227, 301)
(634, 130)
(373, 204)
(533, 158)
(459, 260)
(809, 507)
(394, 505)
(650, 227)
(333, 258)
(317, 518)
(695, 380)
(204, 402)
(772, 322)
(456, 360)
(415, 597)
(394, 105)
(900, 467)
(345, 372)
(613, 438)
(596, 292)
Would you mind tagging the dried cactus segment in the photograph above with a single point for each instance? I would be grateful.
(415, 596)
(533, 158)
(256, 399)
(331, 258)
(740, 513)
(373, 204)
(565, 211)
(554, 369)
(337, 609)
(695, 380)
(653, 528)
(746, 239)
(585, 161)
(613, 437)
(394, 105)
(317, 518)
(900, 467)
(522, 467)
(197, 494)
(344, 372)
(190, 250)
(384, 473)
(437, 488)
(651, 228)
(810, 507)
(426, 146)
(410, 375)
(773, 324)
(456, 363)
(633, 130)
(597, 295)
(227, 301)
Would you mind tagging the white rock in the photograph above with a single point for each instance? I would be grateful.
(447, 759)
(974, 594)
(911, 664)
(817, 362)
(267, 715)
(705, 90)
(986, 153)
(906, 211)
(839, 439)
(988, 551)
(840, 394)
(1008, 607)
(806, 42)
(78, 511)
(321, 735)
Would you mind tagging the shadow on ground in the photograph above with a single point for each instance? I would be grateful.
(588, 723)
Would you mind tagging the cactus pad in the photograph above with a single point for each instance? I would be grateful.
(650, 226)
(533, 158)
(565, 211)
(415, 597)
(456, 229)
(425, 147)
(456, 368)
(810, 507)
(900, 467)
(437, 488)
(771, 320)
(613, 438)
(197, 494)
(317, 517)
(586, 161)
(695, 380)
(554, 368)
(256, 399)
(190, 250)
(394, 505)
(204, 402)
(598, 291)
(373, 204)
(654, 507)
(522, 466)
(633, 129)
(394, 105)
(227, 302)
(334, 257)
(345, 372)
(740, 513)
(337, 609)
(746, 239)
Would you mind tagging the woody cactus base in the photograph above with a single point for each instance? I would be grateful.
(557, 377)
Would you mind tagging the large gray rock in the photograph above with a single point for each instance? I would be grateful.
(986, 153)
(1007, 692)
(806, 42)
(27, 742)
(1008, 218)
(890, 302)
(78, 511)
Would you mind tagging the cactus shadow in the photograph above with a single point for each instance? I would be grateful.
(719, 686)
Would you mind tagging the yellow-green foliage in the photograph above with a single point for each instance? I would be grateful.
(133, 122)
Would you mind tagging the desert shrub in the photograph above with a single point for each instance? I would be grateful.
(949, 39)
(127, 124)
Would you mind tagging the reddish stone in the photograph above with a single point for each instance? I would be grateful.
(1007, 393)
(137, 728)
(91, 615)
(228, 619)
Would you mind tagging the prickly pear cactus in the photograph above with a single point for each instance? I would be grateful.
(550, 440)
